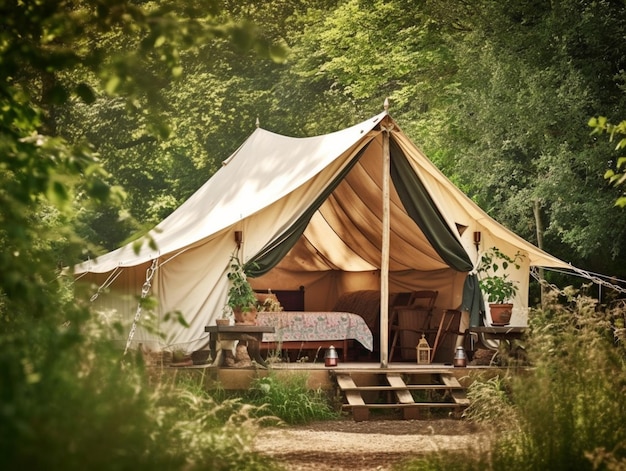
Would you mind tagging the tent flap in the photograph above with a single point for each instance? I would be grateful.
(424, 212)
(276, 249)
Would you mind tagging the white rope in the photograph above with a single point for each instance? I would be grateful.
(595, 278)
(108, 282)
(145, 289)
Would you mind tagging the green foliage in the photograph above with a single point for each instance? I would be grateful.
(67, 399)
(290, 399)
(69, 402)
(567, 411)
(617, 176)
(518, 120)
(490, 402)
(579, 375)
(498, 288)
(467, 460)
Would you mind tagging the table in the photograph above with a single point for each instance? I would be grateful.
(506, 334)
(253, 334)
(309, 326)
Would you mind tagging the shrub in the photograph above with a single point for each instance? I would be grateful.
(70, 401)
(567, 411)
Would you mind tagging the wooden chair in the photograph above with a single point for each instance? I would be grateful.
(410, 320)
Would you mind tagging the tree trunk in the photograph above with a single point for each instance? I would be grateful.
(540, 230)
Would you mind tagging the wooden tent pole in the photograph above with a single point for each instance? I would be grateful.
(384, 263)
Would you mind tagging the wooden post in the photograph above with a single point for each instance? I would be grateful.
(384, 262)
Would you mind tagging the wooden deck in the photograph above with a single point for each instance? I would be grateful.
(407, 390)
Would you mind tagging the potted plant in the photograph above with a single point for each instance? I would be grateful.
(241, 296)
(498, 288)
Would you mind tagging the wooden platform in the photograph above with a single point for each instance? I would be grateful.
(407, 390)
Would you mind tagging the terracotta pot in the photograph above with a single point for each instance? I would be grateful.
(245, 317)
(222, 321)
(501, 313)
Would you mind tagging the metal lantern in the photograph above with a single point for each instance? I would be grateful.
(423, 351)
(460, 358)
(331, 357)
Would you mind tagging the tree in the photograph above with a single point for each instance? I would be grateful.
(66, 399)
(528, 75)
(178, 129)
(615, 176)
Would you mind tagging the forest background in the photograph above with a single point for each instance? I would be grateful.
(113, 112)
(141, 102)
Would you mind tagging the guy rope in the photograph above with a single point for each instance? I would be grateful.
(145, 289)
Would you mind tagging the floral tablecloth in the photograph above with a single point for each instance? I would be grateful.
(315, 326)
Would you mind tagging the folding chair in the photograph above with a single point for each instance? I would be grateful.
(409, 321)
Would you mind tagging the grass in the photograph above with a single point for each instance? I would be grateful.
(568, 411)
(290, 399)
(71, 401)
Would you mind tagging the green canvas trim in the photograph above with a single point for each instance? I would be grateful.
(416, 200)
(473, 300)
(270, 255)
(422, 209)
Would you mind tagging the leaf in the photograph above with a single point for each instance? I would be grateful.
(177, 71)
(57, 193)
(112, 84)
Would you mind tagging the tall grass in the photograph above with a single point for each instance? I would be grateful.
(566, 412)
(69, 401)
(289, 398)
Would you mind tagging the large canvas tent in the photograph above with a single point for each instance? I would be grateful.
(361, 208)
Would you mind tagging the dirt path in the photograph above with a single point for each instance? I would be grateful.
(364, 446)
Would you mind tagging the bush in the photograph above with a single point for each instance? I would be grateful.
(69, 401)
(567, 411)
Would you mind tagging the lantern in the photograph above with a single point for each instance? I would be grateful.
(460, 359)
(331, 357)
(423, 351)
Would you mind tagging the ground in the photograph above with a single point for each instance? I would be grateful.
(343, 445)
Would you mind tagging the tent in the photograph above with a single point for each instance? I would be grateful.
(361, 208)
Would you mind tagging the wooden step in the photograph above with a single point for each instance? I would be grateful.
(410, 387)
(422, 405)
(402, 397)
(458, 392)
(360, 411)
